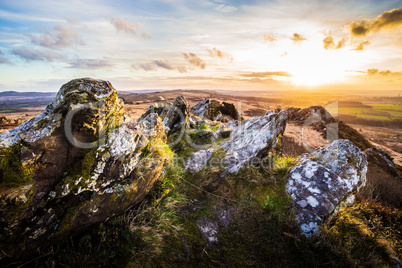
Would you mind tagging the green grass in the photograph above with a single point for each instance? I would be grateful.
(393, 107)
(378, 111)
(7, 111)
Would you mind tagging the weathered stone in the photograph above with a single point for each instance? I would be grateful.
(214, 110)
(324, 182)
(199, 160)
(82, 170)
(178, 114)
(254, 138)
(159, 108)
(209, 230)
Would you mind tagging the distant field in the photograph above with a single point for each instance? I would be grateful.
(377, 111)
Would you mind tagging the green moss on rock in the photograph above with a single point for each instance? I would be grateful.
(12, 173)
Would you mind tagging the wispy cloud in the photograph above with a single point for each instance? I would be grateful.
(90, 64)
(266, 74)
(297, 38)
(269, 38)
(225, 8)
(341, 43)
(361, 45)
(194, 60)
(121, 25)
(31, 54)
(388, 19)
(154, 65)
(384, 73)
(3, 58)
(216, 53)
(59, 37)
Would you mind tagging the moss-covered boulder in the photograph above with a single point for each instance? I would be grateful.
(76, 164)
(324, 182)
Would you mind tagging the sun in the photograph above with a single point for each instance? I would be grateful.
(314, 66)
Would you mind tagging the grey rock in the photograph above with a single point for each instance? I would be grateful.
(254, 138)
(324, 182)
(199, 160)
(177, 114)
(73, 187)
(209, 230)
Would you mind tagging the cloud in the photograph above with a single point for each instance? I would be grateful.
(388, 19)
(265, 74)
(361, 45)
(30, 54)
(297, 38)
(153, 65)
(121, 25)
(269, 38)
(60, 37)
(90, 64)
(146, 35)
(225, 9)
(3, 59)
(341, 43)
(386, 73)
(216, 53)
(194, 60)
(328, 42)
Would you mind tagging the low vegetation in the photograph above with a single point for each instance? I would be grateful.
(162, 229)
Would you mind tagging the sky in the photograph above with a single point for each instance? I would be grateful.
(205, 44)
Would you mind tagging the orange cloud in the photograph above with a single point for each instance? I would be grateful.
(194, 60)
(219, 54)
(269, 38)
(388, 19)
(361, 45)
(328, 42)
(297, 38)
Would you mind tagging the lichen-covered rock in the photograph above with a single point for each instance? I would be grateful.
(199, 160)
(78, 163)
(159, 108)
(214, 110)
(178, 114)
(324, 182)
(254, 138)
(209, 230)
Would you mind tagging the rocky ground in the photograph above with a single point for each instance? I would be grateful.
(192, 181)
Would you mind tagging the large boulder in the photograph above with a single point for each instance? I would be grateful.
(174, 116)
(78, 163)
(178, 114)
(252, 140)
(214, 110)
(325, 181)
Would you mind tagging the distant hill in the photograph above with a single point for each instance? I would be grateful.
(26, 96)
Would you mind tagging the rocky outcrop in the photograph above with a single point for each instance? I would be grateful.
(325, 181)
(159, 108)
(78, 163)
(214, 110)
(9, 121)
(199, 160)
(173, 115)
(252, 139)
(177, 114)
